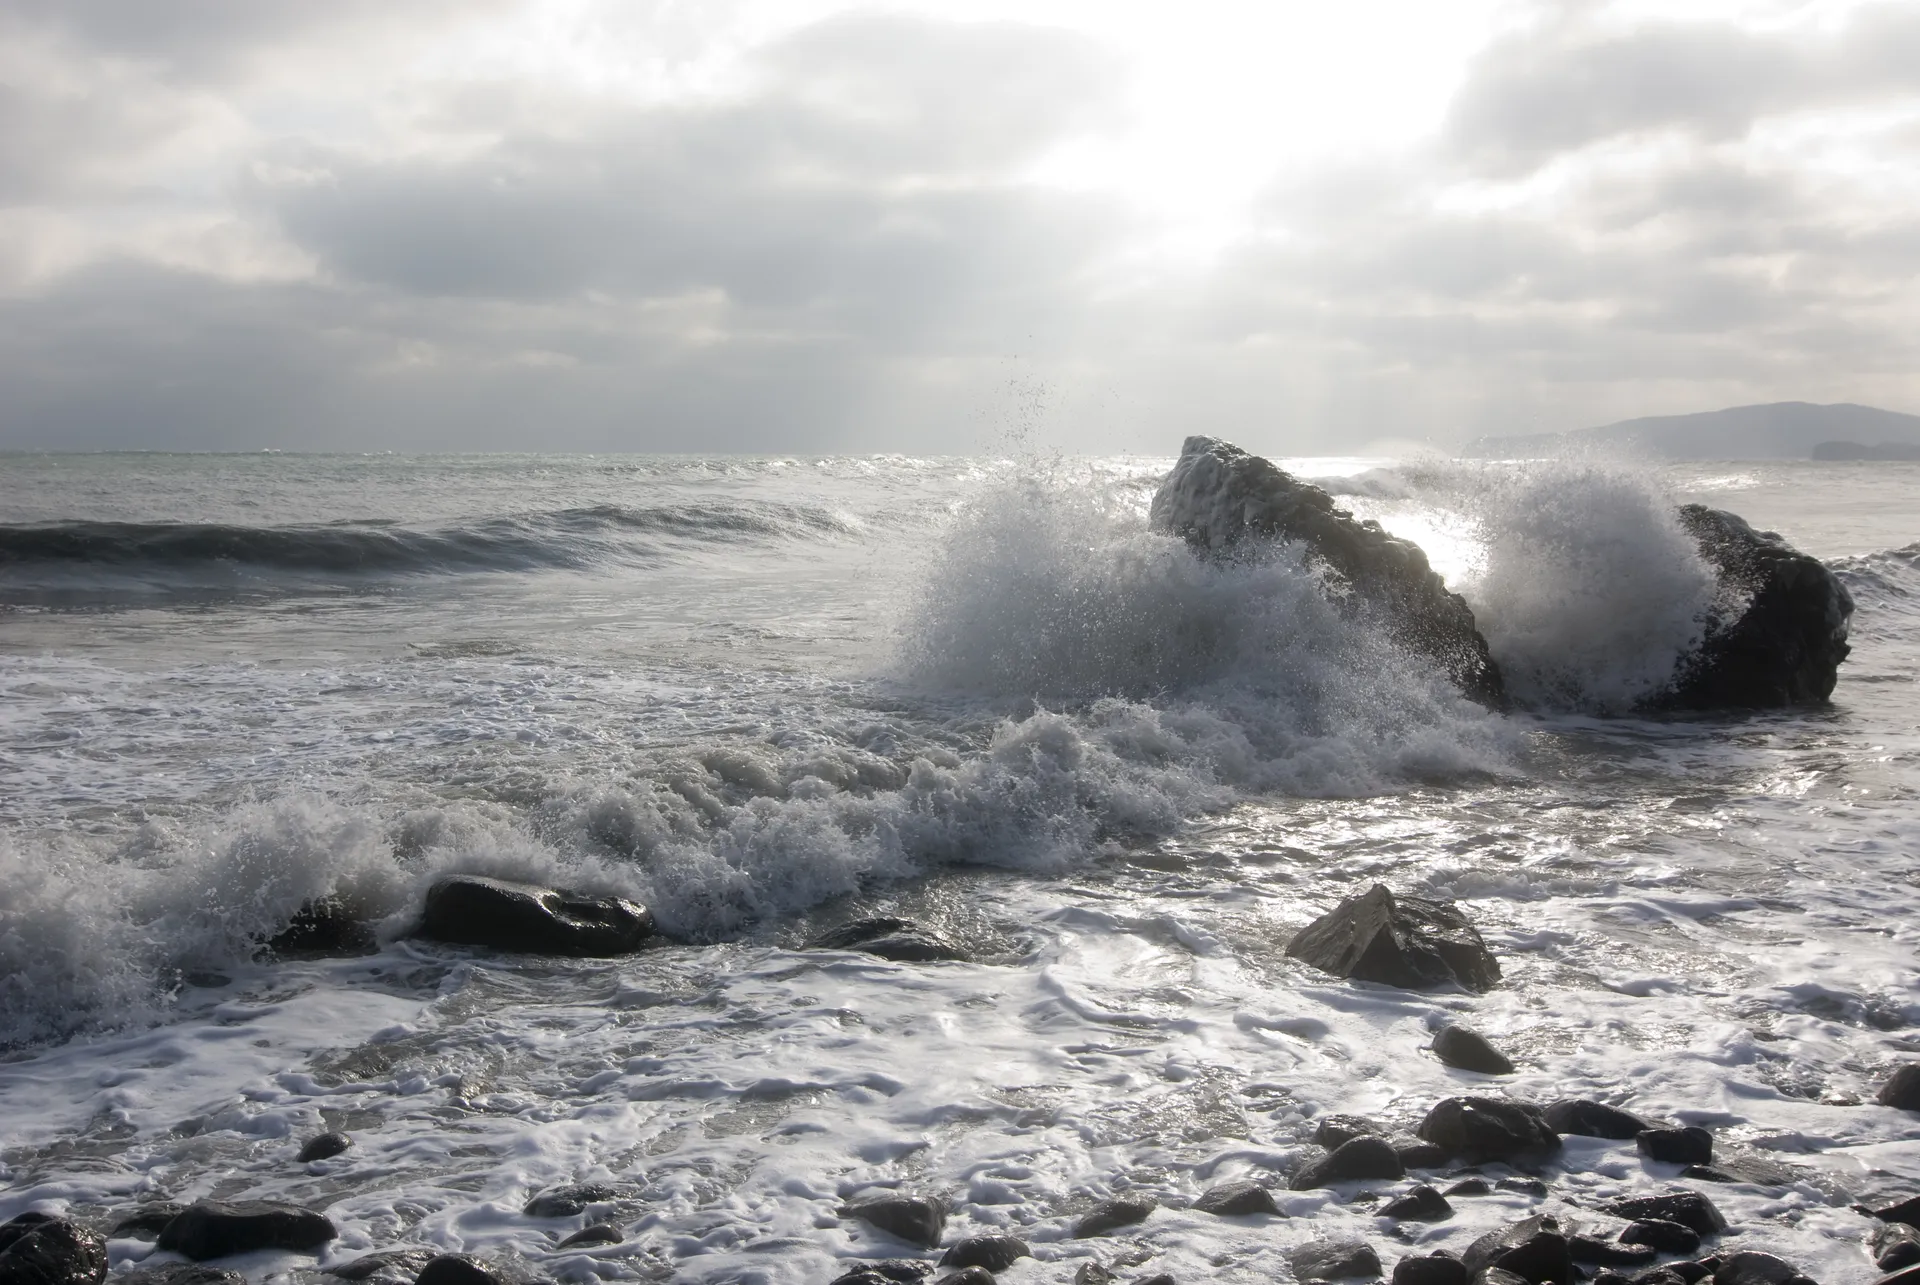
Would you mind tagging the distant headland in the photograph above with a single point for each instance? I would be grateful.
(1773, 431)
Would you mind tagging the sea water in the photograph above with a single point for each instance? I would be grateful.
(767, 695)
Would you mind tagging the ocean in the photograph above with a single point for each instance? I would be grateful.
(766, 695)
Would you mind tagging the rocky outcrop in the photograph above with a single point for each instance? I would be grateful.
(889, 937)
(1782, 643)
(217, 1228)
(38, 1249)
(472, 910)
(1223, 502)
(1399, 941)
(1477, 1129)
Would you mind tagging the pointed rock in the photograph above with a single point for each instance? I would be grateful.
(1409, 942)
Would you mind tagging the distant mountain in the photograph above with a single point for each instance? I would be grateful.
(1862, 451)
(1775, 431)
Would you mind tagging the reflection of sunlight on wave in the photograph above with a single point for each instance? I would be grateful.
(1450, 541)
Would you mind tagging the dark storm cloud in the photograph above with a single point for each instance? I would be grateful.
(1568, 83)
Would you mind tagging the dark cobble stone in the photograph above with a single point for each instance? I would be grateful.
(1897, 1211)
(1332, 1260)
(456, 1269)
(1902, 1089)
(889, 937)
(896, 1271)
(324, 1147)
(1751, 1267)
(1688, 1208)
(323, 930)
(474, 911)
(1525, 1186)
(1905, 1276)
(1894, 1245)
(1609, 1253)
(1657, 1276)
(1407, 941)
(1477, 1129)
(146, 1221)
(598, 1234)
(1534, 1249)
(1466, 1050)
(1110, 1215)
(1158, 1278)
(1689, 1146)
(1585, 1119)
(1607, 1276)
(1658, 1233)
(387, 1264)
(914, 1219)
(566, 1202)
(1362, 1159)
(1236, 1199)
(218, 1228)
(1091, 1273)
(1417, 1154)
(1334, 1130)
(968, 1276)
(180, 1274)
(1421, 1204)
(1430, 1269)
(995, 1253)
(39, 1249)
(1691, 1272)
(1470, 1187)
(1745, 1167)
(1498, 1276)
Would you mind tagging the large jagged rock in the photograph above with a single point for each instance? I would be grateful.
(39, 1249)
(1405, 941)
(472, 910)
(1785, 645)
(1219, 498)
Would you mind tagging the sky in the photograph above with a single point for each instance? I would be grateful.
(939, 226)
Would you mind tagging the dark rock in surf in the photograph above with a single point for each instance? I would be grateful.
(1333, 1260)
(1900, 1211)
(1688, 1208)
(1586, 1119)
(218, 1228)
(1698, 1270)
(1336, 1129)
(1902, 1089)
(1221, 500)
(1430, 1269)
(1751, 1267)
(1399, 941)
(471, 910)
(1470, 1187)
(898, 1271)
(386, 1265)
(1536, 1187)
(1158, 1278)
(1421, 1204)
(1417, 1154)
(1477, 1129)
(1111, 1215)
(1608, 1253)
(1894, 1245)
(565, 1202)
(914, 1219)
(995, 1253)
(1743, 1167)
(888, 937)
(1466, 1050)
(1498, 1276)
(180, 1274)
(39, 1249)
(1783, 645)
(146, 1221)
(1659, 1234)
(323, 930)
(1236, 1200)
(1652, 1276)
(1689, 1146)
(1534, 1249)
(967, 1276)
(1905, 1276)
(598, 1234)
(457, 1269)
(1358, 1160)
(1092, 1274)
(324, 1146)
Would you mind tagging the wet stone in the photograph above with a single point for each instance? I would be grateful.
(219, 1228)
(1470, 1187)
(1430, 1269)
(38, 1249)
(1750, 1267)
(180, 1274)
(324, 1147)
(145, 1222)
(1609, 1253)
(1688, 1208)
(395, 1264)
(1360, 1160)
(1409, 942)
(1899, 1211)
(1335, 1130)
(1158, 1278)
(1658, 1276)
(995, 1253)
(889, 937)
(1534, 1249)
(1755, 1170)
(1109, 1215)
(1894, 1245)
(1417, 1154)
(471, 910)
(1586, 1119)
(899, 1271)
(914, 1219)
(456, 1269)
(1525, 1186)
(1688, 1146)
(1902, 1089)
(598, 1234)
(567, 1202)
(1905, 1276)
(1480, 1128)
(1236, 1199)
(968, 1276)
(1092, 1274)
(1466, 1050)
(1658, 1233)
(323, 930)
(1332, 1260)
(1421, 1204)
